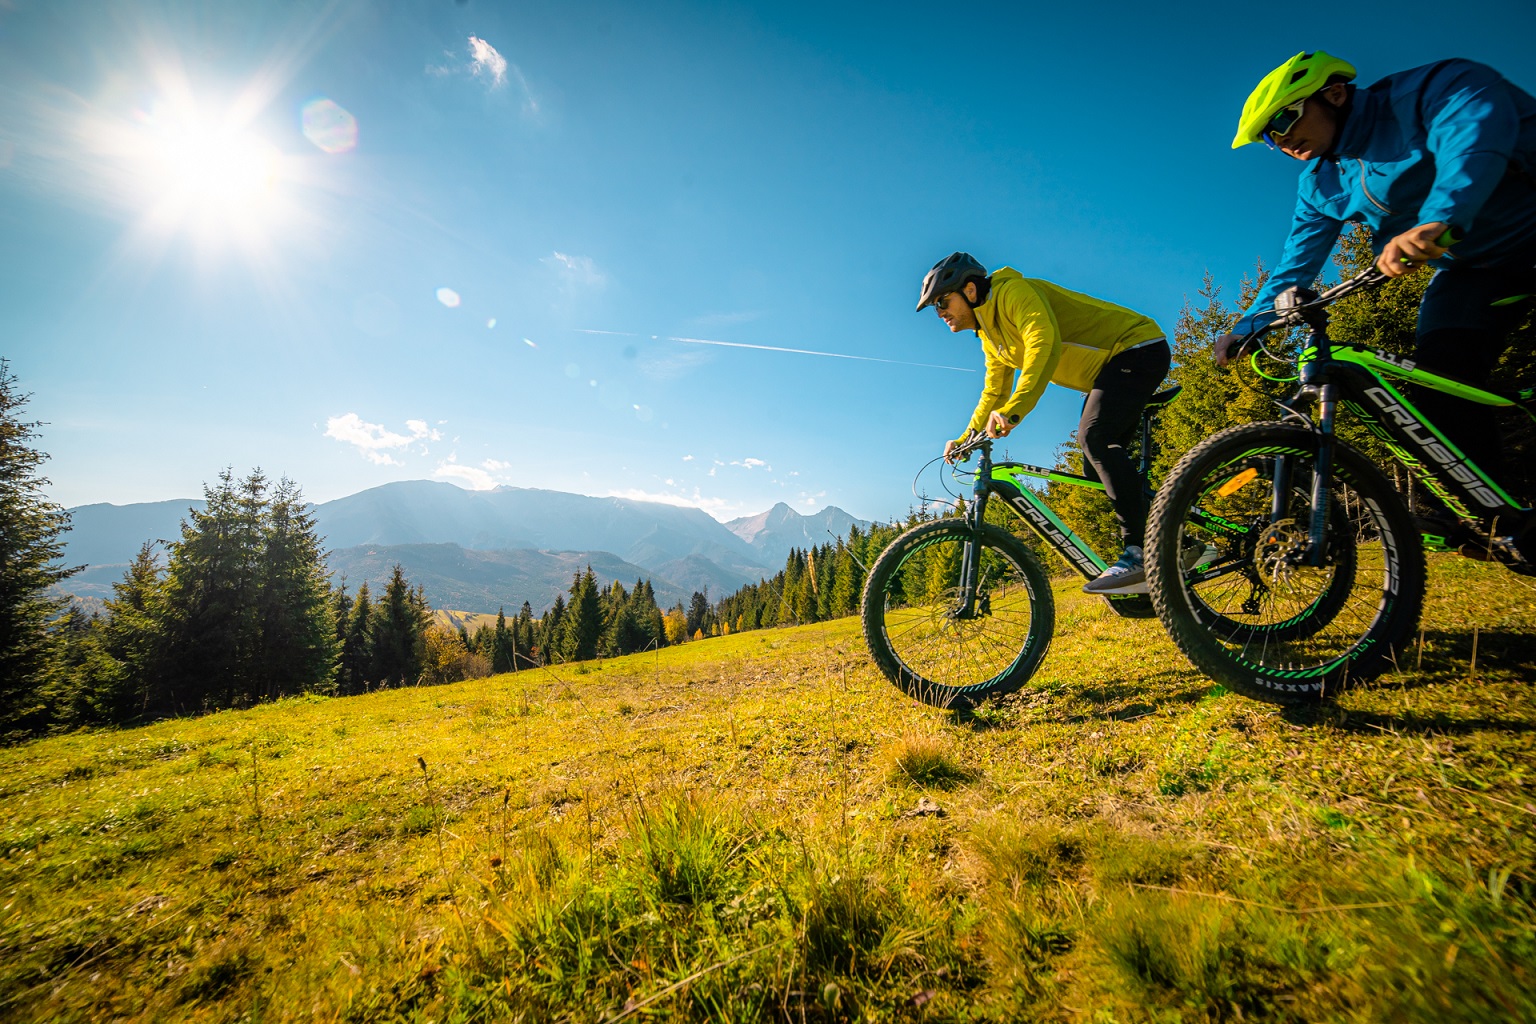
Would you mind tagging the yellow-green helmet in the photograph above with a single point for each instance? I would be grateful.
(1297, 78)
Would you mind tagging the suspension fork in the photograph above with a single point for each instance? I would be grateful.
(975, 516)
(1322, 476)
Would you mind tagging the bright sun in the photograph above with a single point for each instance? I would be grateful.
(211, 176)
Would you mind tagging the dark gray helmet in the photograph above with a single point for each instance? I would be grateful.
(949, 275)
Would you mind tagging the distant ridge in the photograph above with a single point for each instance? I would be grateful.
(774, 533)
(512, 543)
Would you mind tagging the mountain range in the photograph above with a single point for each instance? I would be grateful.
(481, 550)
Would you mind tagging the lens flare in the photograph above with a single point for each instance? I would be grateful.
(448, 297)
(329, 125)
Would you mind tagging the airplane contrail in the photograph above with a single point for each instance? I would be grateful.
(778, 348)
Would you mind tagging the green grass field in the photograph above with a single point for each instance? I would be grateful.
(759, 827)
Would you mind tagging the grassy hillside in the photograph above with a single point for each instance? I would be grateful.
(759, 827)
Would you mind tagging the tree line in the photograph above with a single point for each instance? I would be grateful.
(241, 607)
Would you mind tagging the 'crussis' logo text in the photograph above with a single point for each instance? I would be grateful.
(1453, 465)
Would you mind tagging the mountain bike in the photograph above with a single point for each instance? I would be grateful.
(1327, 537)
(958, 610)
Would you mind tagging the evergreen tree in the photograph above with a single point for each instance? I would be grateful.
(551, 628)
(84, 683)
(356, 665)
(503, 646)
(30, 546)
(527, 639)
(212, 627)
(698, 612)
(341, 621)
(583, 620)
(846, 582)
(399, 633)
(135, 635)
(298, 633)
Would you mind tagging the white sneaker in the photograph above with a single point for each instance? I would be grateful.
(1126, 576)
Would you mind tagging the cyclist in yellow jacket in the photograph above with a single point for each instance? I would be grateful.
(1040, 333)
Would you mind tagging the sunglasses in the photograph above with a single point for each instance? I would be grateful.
(943, 300)
(1284, 120)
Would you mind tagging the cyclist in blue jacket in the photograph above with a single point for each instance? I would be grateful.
(1447, 146)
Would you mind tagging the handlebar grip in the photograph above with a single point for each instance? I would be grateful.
(1449, 237)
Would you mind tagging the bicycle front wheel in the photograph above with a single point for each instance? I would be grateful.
(1253, 613)
(947, 643)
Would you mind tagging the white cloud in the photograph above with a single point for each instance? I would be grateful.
(810, 500)
(718, 508)
(421, 432)
(751, 464)
(576, 270)
(485, 62)
(496, 466)
(373, 440)
(474, 478)
(687, 458)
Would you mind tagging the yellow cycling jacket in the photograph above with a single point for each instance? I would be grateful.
(1046, 333)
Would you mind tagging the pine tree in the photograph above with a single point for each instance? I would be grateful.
(583, 620)
(212, 627)
(503, 646)
(341, 622)
(399, 633)
(298, 632)
(845, 582)
(527, 640)
(356, 665)
(84, 683)
(698, 612)
(30, 546)
(135, 635)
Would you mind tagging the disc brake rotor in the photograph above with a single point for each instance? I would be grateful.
(1278, 557)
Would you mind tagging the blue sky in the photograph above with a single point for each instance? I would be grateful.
(361, 242)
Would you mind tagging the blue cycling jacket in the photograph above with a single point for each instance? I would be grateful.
(1451, 141)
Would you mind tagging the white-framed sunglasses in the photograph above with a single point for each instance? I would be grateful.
(1283, 120)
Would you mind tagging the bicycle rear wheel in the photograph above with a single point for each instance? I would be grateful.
(1253, 614)
(924, 638)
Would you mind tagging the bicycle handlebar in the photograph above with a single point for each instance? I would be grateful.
(975, 442)
(1294, 315)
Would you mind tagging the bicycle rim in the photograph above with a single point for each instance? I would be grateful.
(1230, 563)
(1253, 614)
(936, 645)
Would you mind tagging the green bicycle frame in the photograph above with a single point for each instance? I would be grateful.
(1008, 483)
(1365, 379)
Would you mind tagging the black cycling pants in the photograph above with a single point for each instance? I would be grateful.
(1461, 335)
(1107, 431)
